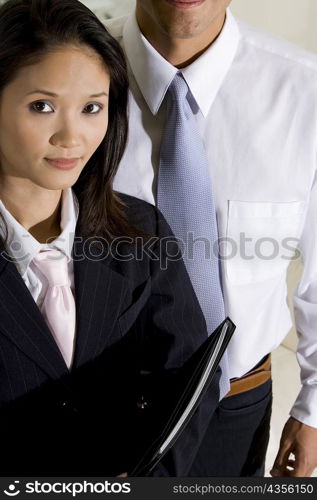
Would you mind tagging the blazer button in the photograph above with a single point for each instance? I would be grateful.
(141, 403)
(67, 406)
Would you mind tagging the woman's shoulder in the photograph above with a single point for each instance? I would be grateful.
(135, 203)
(140, 213)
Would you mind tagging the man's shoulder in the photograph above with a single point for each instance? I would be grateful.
(278, 50)
(115, 26)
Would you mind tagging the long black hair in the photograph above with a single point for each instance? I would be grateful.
(29, 29)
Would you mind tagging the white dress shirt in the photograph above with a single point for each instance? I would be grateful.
(257, 100)
(22, 247)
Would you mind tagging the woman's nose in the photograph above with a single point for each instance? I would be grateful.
(67, 135)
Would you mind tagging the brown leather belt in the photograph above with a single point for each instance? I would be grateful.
(254, 378)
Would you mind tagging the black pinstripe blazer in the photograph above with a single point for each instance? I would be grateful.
(132, 315)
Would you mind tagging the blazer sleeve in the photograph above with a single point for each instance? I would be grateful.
(172, 328)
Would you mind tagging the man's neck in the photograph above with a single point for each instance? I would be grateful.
(181, 52)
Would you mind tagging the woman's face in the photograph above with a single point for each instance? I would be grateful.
(53, 116)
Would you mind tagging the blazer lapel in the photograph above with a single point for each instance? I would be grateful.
(22, 322)
(99, 292)
(99, 295)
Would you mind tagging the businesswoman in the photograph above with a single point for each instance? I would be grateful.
(89, 294)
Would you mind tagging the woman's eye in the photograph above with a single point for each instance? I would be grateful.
(92, 108)
(41, 107)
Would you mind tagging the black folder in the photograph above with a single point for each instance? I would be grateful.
(192, 383)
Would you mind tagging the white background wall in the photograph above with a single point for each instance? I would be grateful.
(295, 20)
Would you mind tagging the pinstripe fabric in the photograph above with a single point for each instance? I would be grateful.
(131, 314)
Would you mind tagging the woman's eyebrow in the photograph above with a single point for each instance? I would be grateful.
(52, 94)
(100, 94)
(41, 91)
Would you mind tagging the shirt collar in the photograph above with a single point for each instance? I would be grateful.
(22, 247)
(204, 76)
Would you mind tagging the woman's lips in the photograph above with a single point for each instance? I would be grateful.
(185, 4)
(63, 163)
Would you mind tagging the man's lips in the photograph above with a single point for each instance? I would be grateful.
(63, 163)
(185, 4)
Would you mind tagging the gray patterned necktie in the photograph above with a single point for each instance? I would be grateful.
(184, 196)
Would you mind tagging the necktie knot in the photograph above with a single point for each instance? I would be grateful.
(178, 89)
(53, 264)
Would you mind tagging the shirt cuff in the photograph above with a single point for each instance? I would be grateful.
(305, 406)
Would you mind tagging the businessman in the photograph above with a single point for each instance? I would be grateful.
(223, 138)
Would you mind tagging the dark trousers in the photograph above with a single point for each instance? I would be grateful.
(236, 441)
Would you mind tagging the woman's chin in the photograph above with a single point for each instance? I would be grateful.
(59, 181)
(57, 186)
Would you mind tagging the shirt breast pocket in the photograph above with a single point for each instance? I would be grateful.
(261, 239)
